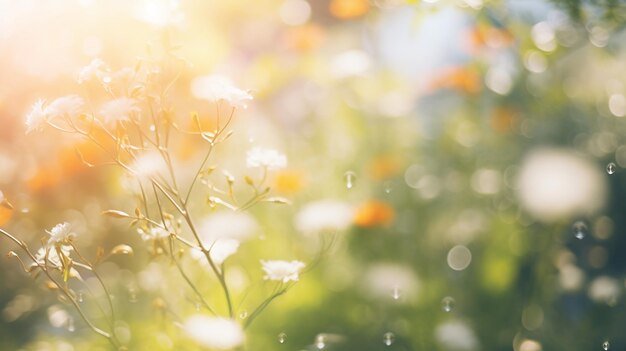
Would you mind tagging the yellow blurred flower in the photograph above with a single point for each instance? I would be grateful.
(345, 9)
(289, 181)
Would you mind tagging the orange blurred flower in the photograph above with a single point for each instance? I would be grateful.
(482, 36)
(289, 181)
(306, 37)
(465, 79)
(384, 167)
(374, 213)
(345, 9)
(503, 119)
(67, 164)
(5, 215)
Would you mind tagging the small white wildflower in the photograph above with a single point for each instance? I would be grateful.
(153, 233)
(260, 157)
(61, 233)
(219, 251)
(119, 110)
(94, 70)
(66, 106)
(324, 216)
(214, 333)
(217, 88)
(284, 271)
(53, 257)
(37, 117)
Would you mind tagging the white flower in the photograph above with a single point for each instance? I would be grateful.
(94, 70)
(66, 106)
(605, 289)
(227, 225)
(456, 335)
(557, 184)
(149, 164)
(37, 117)
(214, 333)
(119, 110)
(284, 271)
(272, 159)
(216, 88)
(61, 233)
(53, 257)
(153, 233)
(324, 215)
(219, 251)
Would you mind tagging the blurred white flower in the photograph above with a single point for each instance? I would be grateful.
(227, 225)
(456, 335)
(387, 280)
(66, 106)
(61, 233)
(605, 289)
(94, 70)
(159, 13)
(219, 251)
(149, 164)
(217, 88)
(571, 277)
(284, 271)
(37, 117)
(57, 316)
(556, 184)
(213, 332)
(260, 157)
(324, 215)
(119, 110)
(53, 257)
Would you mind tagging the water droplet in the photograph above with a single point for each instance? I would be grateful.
(198, 306)
(243, 314)
(106, 79)
(395, 293)
(447, 304)
(388, 186)
(611, 168)
(350, 178)
(580, 229)
(80, 296)
(389, 338)
(70, 325)
(152, 127)
(320, 341)
(25, 210)
(606, 345)
(282, 337)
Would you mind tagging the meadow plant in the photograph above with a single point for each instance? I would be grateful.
(127, 116)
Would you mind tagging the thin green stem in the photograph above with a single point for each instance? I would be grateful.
(187, 279)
